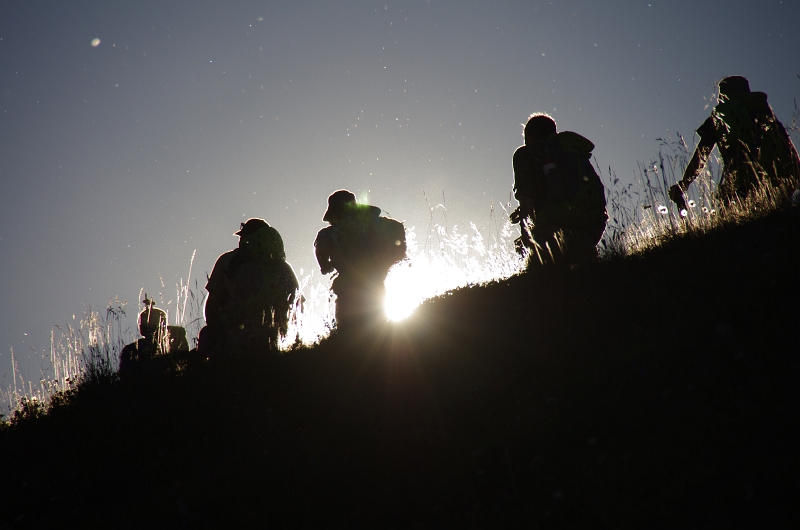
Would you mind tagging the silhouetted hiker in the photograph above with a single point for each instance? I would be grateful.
(562, 204)
(154, 341)
(361, 246)
(752, 143)
(250, 292)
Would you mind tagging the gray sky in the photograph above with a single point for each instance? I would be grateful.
(118, 161)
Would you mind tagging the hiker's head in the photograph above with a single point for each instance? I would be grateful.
(338, 203)
(265, 244)
(734, 84)
(540, 125)
(250, 227)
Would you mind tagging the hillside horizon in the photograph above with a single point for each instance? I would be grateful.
(657, 389)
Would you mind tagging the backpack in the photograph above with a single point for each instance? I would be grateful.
(753, 143)
(367, 243)
(575, 195)
(392, 245)
(734, 128)
(777, 156)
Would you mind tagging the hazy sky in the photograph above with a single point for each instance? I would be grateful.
(119, 160)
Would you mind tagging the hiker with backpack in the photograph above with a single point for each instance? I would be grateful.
(251, 291)
(562, 205)
(754, 146)
(360, 247)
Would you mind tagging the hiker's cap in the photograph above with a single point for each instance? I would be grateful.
(734, 84)
(251, 227)
(337, 201)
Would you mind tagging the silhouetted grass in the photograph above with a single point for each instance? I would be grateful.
(85, 350)
(657, 389)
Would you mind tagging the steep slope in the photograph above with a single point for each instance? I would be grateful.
(652, 390)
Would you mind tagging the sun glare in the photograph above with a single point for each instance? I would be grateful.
(426, 275)
(407, 286)
(456, 260)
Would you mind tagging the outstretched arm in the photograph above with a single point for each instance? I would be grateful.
(697, 163)
(693, 169)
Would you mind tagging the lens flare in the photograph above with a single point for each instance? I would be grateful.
(459, 262)
(410, 283)
(449, 260)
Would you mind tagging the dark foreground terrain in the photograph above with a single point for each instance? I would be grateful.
(657, 391)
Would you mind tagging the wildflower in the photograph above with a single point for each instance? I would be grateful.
(692, 204)
(684, 212)
(663, 210)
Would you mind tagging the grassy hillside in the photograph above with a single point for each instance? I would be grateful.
(659, 390)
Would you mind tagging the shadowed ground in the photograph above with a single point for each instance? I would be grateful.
(655, 391)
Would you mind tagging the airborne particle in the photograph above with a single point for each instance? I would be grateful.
(95, 42)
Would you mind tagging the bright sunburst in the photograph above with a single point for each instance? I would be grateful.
(408, 285)
(455, 260)
(460, 261)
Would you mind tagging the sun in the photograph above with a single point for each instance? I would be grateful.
(408, 284)
(400, 299)
(411, 282)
